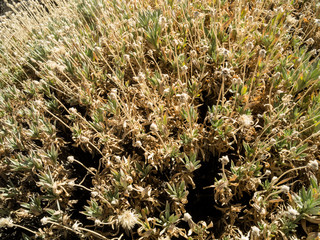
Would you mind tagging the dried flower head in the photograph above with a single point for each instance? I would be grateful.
(313, 165)
(6, 222)
(183, 97)
(255, 231)
(224, 160)
(268, 172)
(262, 53)
(153, 127)
(292, 213)
(249, 46)
(138, 144)
(128, 219)
(44, 220)
(246, 120)
(71, 159)
(285, 188)
(184, 69)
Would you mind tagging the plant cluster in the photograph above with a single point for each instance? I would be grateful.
(123, 119)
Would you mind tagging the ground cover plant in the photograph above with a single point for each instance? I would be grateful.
(169, 119)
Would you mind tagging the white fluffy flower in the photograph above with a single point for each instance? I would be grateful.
(262, 53)
(255, 231)
(6, 222)
(128, 219)
(224, 160)
(153, 127)
(71, 159)
(292, 213)
(313, 165)
(285, 188)
(246, 120)
(44, 220)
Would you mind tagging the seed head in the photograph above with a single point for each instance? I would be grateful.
(249, 46)
(224, 160)
(44, 220)
(285, 189)
(153, 127)
(71, 159)
(187, 217)
(255, 231)
(184, 69)
(262, 53)
(313, 165)
(6, 222)
(267, 173)
(246, 120)
(138, 144)
(128, 219)
(292, 213)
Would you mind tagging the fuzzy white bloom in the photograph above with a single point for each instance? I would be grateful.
(166, 91)
(313, 165)
(71, 183)
(113, 94)
(6, 222)
(126, 57)
(73, 110)
(128, 219)
(98, 222)
(274, 179)
(292, 213)
(224, 160)
(94, 194)
(38, 102)
(287, 98)
(51, 64)
(141, 76)
(262, 53)
(44, 220)
(184, 69)
(71, 159)
(291, 20)
(224, 52)
(183, 97)
(249, 46)
(255, 231)
(246, 120)
(138, 144)
(153, 127)
(187, 217)
(267, 173)
(285, 189)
